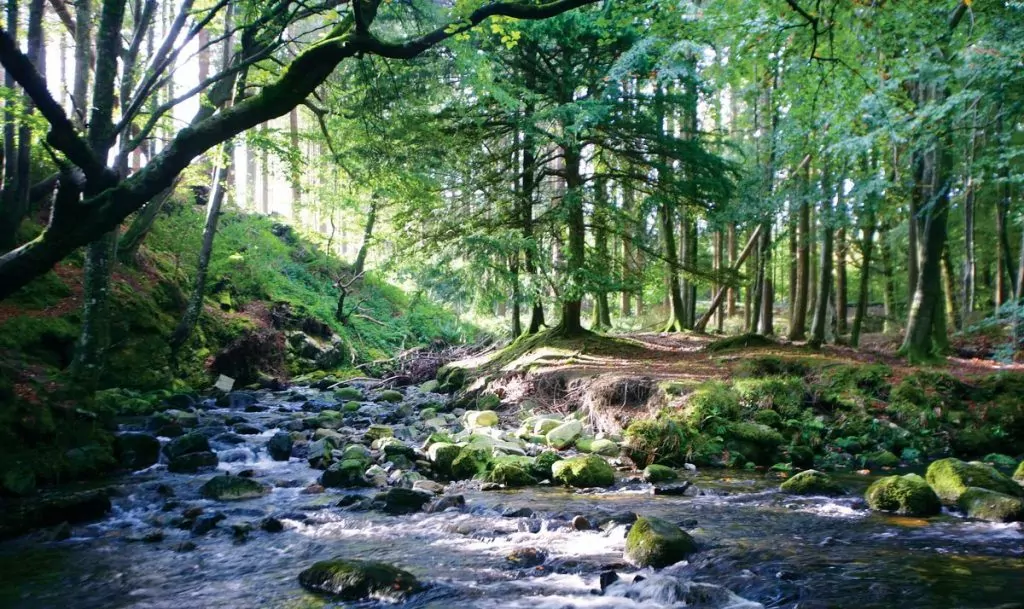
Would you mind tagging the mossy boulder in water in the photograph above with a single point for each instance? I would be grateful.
(604, 447)
(882, 458)
(1018, 475)
(137, 450)
(653, 542)
(659, 473)
(512, 472)
(356, 580)
(811, 482)
(481, 418)
(404, 500)
(442, 455)
(758, 443)
(189, 443)
(950, 478)
(345, 394)
(541, 468)
(471, 462)
(908, 495)
(280, 446)
(345, 474)
(564, 435)
(390, 395)
(376, 432)
(232, 488)
(984, 504)
(583, 472)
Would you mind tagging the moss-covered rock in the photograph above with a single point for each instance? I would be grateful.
(189, 443)
(430, 386)
(950, 478)
(351, 406)
(442, 455)
(232, 488)
(345, 474)
(984, 504)
(542, 425)
(471, 462)
(583, 472)
(488, 401)
(345, 394)
(512, 472)
(604, 447)
(758, 443)
(192, 462)
(908, 495)
(1018, 475)
(653, 542)
(541, 468)
(137, 450)
(811, 482)
(564, 435)
(1001, 461)
(481, 418)
(376, 432)
(356, 580)
(882, 458)
(390, 395)
(659, 473)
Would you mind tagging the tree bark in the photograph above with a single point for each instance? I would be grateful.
(889, 282)
(571, 321)
(841, 290)
(797, 330)
(863, 290)
(824, 283)
(359, 266)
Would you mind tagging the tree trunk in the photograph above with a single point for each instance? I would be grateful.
(364, 248)
(970, 266)
(863, 290)
(719, 298)
(889, 282)
(949, 283)
(602, 315)
(731, 246)
(766, 322)
(676, 311)
(841, 292)
(264, 174)
(797, 330)
(627, 254)
(572, 306)
(824, 283)
(128, 247)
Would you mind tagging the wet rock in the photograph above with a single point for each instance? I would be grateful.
(673, 490)
(136, 450)
(428, 486)
(390, 395)
(526, 558)
(344, 474)
(580, 523)
(659, 473)
(564, 435)
(61, 533)
(471, 462)
(376, 476)
(279, 447)
(192, 462)
(511, 472)
(313, 489)
(583, 472)
(1018, 476)
(355, 580)
(950, 478)
(541, 469)
(237, 400)
(376, 432)
(984, 504)
(811, 482)
(206, 523)
(345, 394)
(653, 542)
(523, 512)
(481, 418)
(605, 448)
(189, 443)
(185, 546)
(607, 578)
(247, 429)
(150, 536)
(236, 455)
(271, 525)
(349, 500)
(228, 438)
(393, 447)
(444, 503)
(909, 495)
(180, 401)
(404, 501)
(232, 488)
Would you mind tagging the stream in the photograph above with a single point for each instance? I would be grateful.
(760, 547)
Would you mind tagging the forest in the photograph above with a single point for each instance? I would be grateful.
(512, 303)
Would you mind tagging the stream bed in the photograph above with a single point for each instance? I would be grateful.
(761, 548)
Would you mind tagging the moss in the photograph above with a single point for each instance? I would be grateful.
(356, 580)
(850, 385)
(471, 462)
(908, 495)
(659, 473)
(712, 402)
(541, 469)
(785, 395)
(390, 395)
(742, 341)
(669, 440)
(232, 488)
(760, 366)
(882, 458)
(1018, 475)
(1001, 461)
(583, 472)
(512, 472)
(345, 394)
(653, 542)
(950, 478)
(811, 482)
(759, 443)
(984, 504)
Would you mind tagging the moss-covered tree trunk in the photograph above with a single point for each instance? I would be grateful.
(359, 266)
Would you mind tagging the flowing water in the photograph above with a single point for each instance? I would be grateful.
(761, 548)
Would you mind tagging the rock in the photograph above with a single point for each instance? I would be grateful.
(984, 504)
(541, 469)
(430, 386)
(376, 432)
(61, 533)
(584, 443)
(580, 523)
(1018, 476)
(247, 429)
(488, 401)
(205, 523)
(653, 542)
(950, 478)
(192, 462)
(351, 406)
(19, 479)
(345, 474)
(393, 447)
(376, 476)
(811, 482)
(356, 580)
(526, 558)
(604, 447)
(542, 426)
(758, 443)
(564, 435)
(136, 450)
(607, 578)
(655, 473)
(404, 501)
(511, 472)
(232, 488)
(583, 472)
(237, 400)
(271, 525)
(908, 495)
(345, 394)
(186, 444)
(442, 455)
(390, 395)
(444, 503)
(279, 447)
(357, 452)
(1001, 461)
(428, 486)
(673, 490)
(882, 458)
(481, 418)
(471, 462)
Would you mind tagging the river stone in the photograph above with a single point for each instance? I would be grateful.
(811, 482)
(404, 500)
(232, 488)
(355, 580)
(19, 479)
(345, 394)
(653, 542)
(526, 557)
(604, 447)
(345, 474)
(984, 504)
(240, 399)
(137, 450)
(564, 435)
(950, 478)
(472, 461)
(442, 455)
(376, 432)
(882, 458)
(189, 443)
(357, 452)
(1018, 475)
(511, 473)
(908, 495)
(541, 468)
(192, 462)
(394, 447)
(451, 501)
(481, 418)
(583, 472)
(428, 486)
(390, 395)
(280, 446)
(430, 386)
(542, 426)
(655, 473)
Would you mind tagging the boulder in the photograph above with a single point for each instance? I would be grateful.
(882, 458)
(984, 504)
(605, 448)
(279, 447)
(758, 443)
(526, 558)
(542, 426)
(908, 495)
(1018, 476)
(345, 474)
(428, 486)
(512, 472)
(232, 488)
(655, 473)
(376, 432)
(564, 435)
(345, 394)
(357, 452)
(188, 443)
(443, 455)
(811, 482)
(356, 580)
(653, 542)
(950, 478)
(137, 450)
(404, 500)
(471, 462)
(390, 395)
(541, 468)
(393, 447)
(481, 418)
(192, 462)
(583, 472)
(450, 501)
(430, 386)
